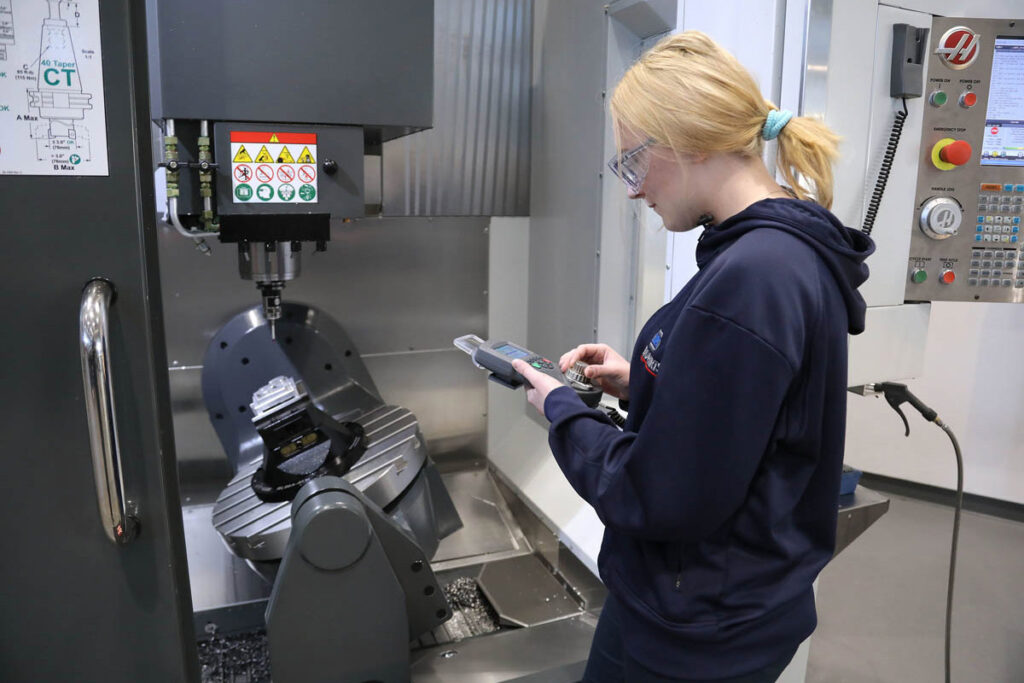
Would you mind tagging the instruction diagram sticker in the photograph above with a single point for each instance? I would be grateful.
(273, 175)
(52, 117)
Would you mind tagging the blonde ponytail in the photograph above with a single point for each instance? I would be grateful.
(688, 94)
(807, 150)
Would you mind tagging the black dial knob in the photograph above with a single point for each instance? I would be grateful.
(330, 166)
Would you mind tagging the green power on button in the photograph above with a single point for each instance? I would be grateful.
(919, 276)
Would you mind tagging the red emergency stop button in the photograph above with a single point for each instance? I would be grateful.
(957, 153)
(968, 100)
(947, 277)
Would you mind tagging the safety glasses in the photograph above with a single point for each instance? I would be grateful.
(631, 167)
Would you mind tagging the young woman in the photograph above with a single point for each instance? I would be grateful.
(719, 495)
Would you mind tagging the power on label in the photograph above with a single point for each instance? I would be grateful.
(273, 168)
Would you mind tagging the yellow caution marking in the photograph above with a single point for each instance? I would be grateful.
(242, 156)
(285, 157)
(306, 157)
(264, 156)
(273, 138)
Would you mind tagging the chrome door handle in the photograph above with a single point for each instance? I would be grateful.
(120, 525)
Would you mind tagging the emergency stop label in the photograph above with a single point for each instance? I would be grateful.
(52, 117)
(273, 168)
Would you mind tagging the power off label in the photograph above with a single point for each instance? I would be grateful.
(273, 168)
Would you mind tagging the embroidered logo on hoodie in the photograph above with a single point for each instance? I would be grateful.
(653, 366)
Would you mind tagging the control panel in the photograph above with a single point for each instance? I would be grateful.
(967, 238)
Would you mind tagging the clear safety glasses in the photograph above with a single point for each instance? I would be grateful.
(631, 167)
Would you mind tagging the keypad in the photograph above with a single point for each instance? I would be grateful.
(1001, 267)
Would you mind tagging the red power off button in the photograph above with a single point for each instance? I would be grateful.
(947, 277)
(968, 100)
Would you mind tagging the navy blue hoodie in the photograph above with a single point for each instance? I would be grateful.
(719, 497)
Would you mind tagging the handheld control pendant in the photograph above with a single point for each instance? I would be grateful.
(497, 357)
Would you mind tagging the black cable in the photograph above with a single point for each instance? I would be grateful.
(883, 172)
(956, 535)
(615, 416)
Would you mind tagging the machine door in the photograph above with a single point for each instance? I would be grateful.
(83, 600)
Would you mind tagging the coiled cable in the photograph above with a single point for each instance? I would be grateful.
(883, 172)
(615, 416)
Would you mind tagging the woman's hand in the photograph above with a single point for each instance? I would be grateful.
(540, 384)
(607, 370)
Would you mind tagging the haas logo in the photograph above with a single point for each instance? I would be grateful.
(958, 47)
(946, 218)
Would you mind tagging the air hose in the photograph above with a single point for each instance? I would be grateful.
(896, 394)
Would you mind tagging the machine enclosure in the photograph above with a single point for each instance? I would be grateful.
(342, 62)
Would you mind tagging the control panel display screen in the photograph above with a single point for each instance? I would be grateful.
(512, 351)
(1004, 121)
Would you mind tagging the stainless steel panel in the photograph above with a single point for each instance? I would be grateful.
(401, 288)
(476, 159)
(568, 123)
(974, 252)
(395, 285)
(218, 577)
(525, 593)
(552, 653)
(817, 42)
(447, 394)
(857, 512)
(489, 530)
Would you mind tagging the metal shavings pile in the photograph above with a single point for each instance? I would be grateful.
(472, 615)
(237, 658)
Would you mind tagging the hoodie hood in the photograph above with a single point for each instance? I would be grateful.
(843, 249)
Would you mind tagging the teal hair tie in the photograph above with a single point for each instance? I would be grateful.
(776, 121)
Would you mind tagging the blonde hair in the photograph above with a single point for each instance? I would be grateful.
(688, 94)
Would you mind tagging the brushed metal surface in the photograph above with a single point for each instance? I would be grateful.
(402, 288)
(858, 511)
(476, 159)
(568, 125)
(525, 593)
(550, 653)
(817, 43)
(971, 260)
(489, 530)
(218, 577)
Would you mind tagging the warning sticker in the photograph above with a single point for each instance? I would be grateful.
(264, 156)
(274, 175)
(52, 115)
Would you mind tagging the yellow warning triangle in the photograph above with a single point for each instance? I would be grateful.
(285, 157)
(264, 156)
(242, 156)
(273, 137)
(306, 157)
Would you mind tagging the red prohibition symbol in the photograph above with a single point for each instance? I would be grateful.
(307, 174)
(243, 173)
(286, 174)
(264, 173)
